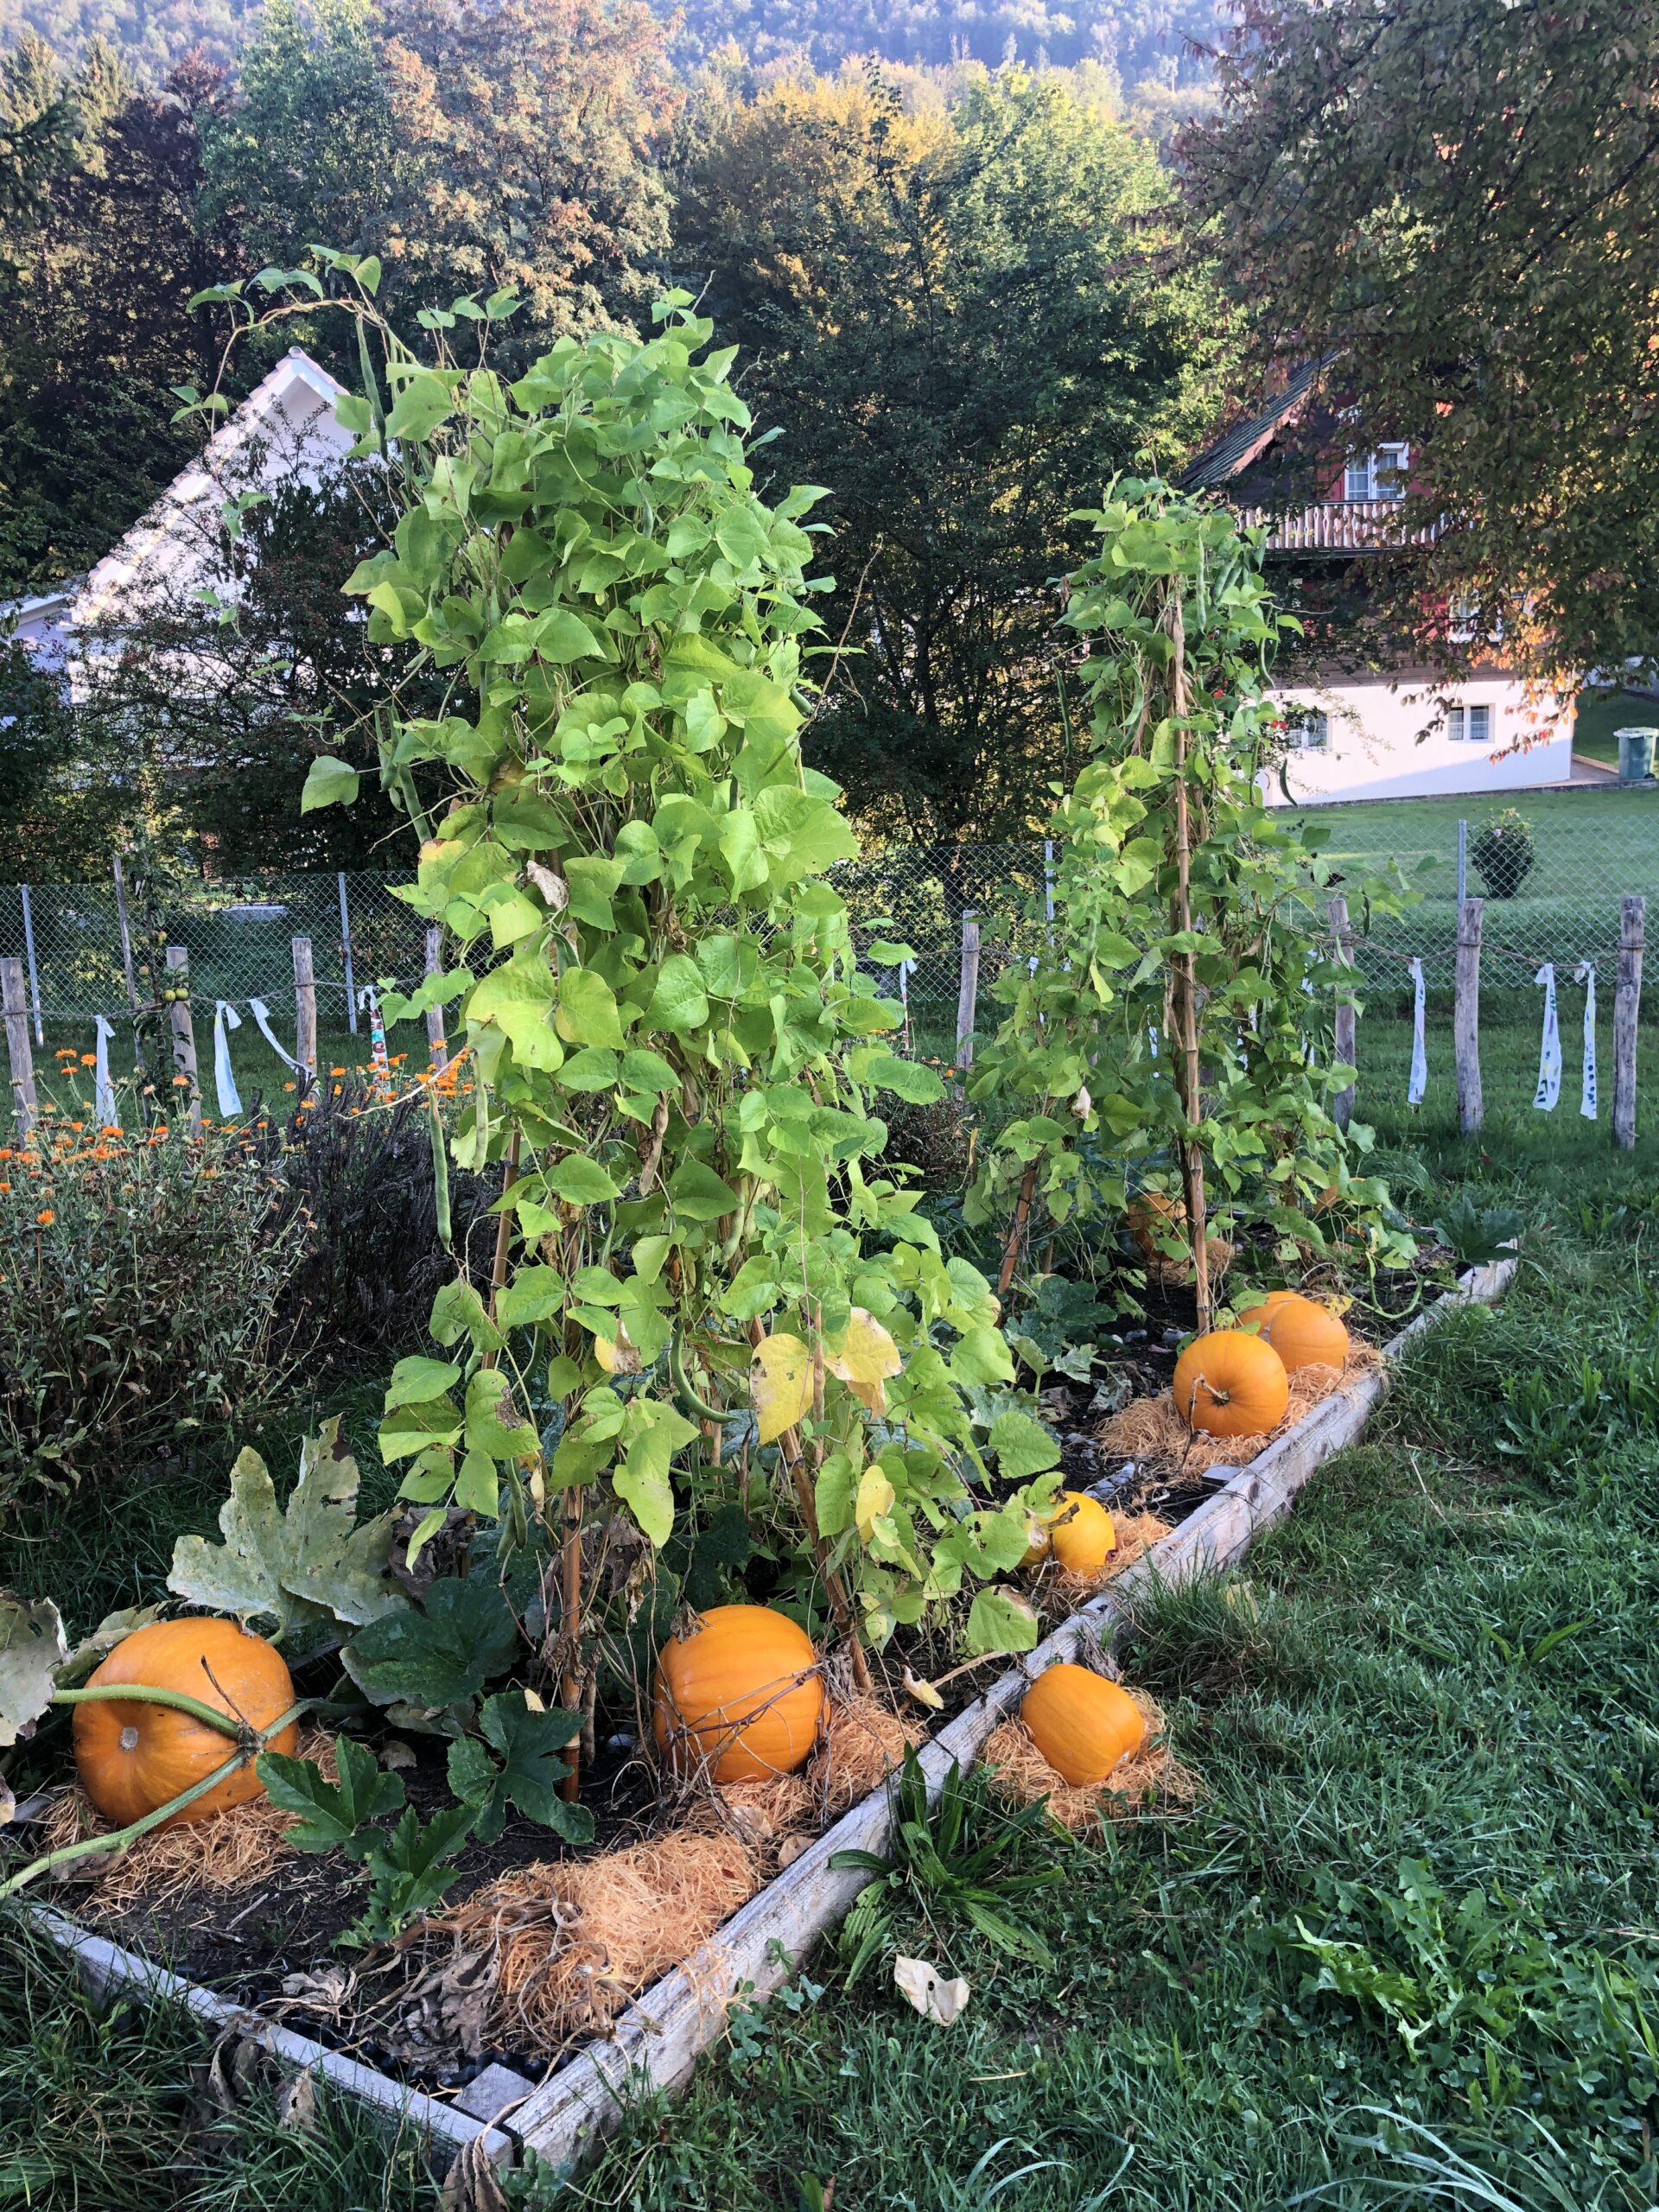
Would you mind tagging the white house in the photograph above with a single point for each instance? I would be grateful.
(1407, 732)
(285, 432)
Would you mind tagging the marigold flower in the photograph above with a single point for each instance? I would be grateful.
(89, 1060)
(46, 1216)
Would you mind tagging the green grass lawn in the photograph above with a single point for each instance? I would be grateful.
(1411, 1917)
(1601, 712)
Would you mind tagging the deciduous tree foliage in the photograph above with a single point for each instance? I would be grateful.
(1462, 199)
(959, 323)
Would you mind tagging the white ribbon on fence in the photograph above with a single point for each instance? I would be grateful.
(1585, 974)
(1549, 1092)
(1419, 1082)
(104, 1105)
(261, 1014)
(369, 998)
(230, 1098)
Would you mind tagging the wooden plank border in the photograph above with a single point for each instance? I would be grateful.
(657, 2041)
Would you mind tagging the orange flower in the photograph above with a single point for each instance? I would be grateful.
(64, 1052)
(46, 1216)
(181, 1081)
(89, 1060)
(77, 1125)
(336, 1070)
(4, 1188)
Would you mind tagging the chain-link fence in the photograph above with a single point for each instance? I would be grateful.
(1553, 893)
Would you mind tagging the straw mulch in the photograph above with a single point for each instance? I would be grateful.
(228, 1852)
(1152, 1431)
(1154, 1780)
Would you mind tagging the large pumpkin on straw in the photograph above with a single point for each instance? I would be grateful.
(739, 1695)
(1231, 1384)
(1082, 1724)
(132, 1756)
(1303, 1332)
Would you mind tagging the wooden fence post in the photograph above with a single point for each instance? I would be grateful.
(1627, 1000)
(968, 992)
(15, 998)
(1466, 1018)
(127, 967)
(437, 1050)
(183, 1028)
(305, 1015)
(346, 953)
(1342, 1106)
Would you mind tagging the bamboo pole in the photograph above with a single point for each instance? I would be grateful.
(1342, 1106)
(184, 1029)
(1466, 1018)
(1627, 1003)
(25, 1100)
(127, 968)
(1186, 990)
(345, 955)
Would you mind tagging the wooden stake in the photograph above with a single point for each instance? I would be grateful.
(1466, 1018)
(1016, 1233)
(1627, 1001)
(1342, 1106)
(305, 1015)
(968, 992)
(1186, 990)
(184, 1033)
(25, 1102)
(437, 1049)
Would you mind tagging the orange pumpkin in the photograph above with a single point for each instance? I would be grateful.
(1082, 1724)
(1151, 1212)
(740, 1692)
(1230, 1383)
(132, 1756)
(1081, 1535)
(1303, 1332)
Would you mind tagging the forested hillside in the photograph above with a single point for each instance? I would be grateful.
(1142, 40)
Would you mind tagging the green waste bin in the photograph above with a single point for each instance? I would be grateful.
(1636, 755)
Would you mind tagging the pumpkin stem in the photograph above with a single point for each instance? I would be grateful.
(227, 1724)
(256, 1739)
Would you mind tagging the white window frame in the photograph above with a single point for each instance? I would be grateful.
(1379, 475)
(1307, 730)
(1460, 723)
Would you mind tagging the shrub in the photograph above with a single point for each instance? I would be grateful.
(143, 1278)
(1503, 854)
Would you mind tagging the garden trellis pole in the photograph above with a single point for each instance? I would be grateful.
(34, 971)
(345, 954)
(25, 1101)
(305, 1015)
(436, 1047)
(1627, 1003)
(1465, 1017)
(183, 1028)
(1185, 971)
(1342, 1106)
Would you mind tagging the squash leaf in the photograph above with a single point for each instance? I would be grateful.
(330, 1814)
(863, 1359)
(309, 1567)
(528, 1739)
(1000, 1620)
(32, 1649)
(442, 1655)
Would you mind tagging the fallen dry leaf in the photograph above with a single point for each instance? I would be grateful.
(927, 1989)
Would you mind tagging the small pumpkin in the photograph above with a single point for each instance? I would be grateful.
(1081, 1535)
(1151, 1212)
(742, 1691)
(1082, 1724)
(1231, 1384)
(1303, 1332)
(132, 1756)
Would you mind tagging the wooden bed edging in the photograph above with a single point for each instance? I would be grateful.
(659, 2038)
(101, 1963)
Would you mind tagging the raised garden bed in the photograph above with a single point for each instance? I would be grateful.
(656, 2040)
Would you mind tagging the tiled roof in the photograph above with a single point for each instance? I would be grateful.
(1242, 444)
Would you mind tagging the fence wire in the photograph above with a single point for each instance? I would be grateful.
(1588, 850)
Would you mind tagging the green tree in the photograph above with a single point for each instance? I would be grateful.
(474, 149)
(1462, 201)
(958, 320)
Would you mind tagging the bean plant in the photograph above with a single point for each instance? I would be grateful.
(1168, 1028)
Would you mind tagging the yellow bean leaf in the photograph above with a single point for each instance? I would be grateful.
(864, 1358)
(780, 1382)
(874, 1498)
